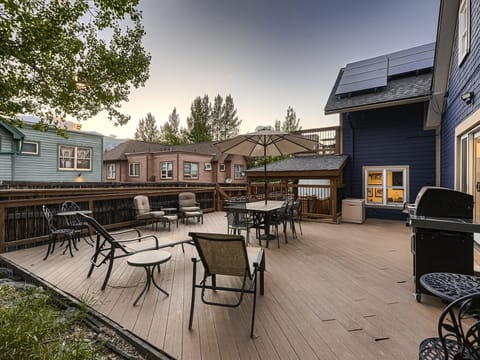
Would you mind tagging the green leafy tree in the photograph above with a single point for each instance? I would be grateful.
(291, 123)
(216, 118)
(170, 132)
(69, 58)
(198, 123)
(147, 129)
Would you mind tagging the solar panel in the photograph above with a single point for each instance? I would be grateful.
(363, 75)
(414, 59)
(373, 73)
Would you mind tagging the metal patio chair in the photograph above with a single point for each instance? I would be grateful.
(226, 255)
(458, 332)
(68, 235)
(75, 222)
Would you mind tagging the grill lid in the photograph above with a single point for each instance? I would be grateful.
(435, 201)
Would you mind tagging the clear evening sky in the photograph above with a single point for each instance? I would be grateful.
(268, 54)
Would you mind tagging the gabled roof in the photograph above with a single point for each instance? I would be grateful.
(16, 134)
(306, 164)
(133, 146)
(406, 78)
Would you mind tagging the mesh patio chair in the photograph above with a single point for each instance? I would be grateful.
(458, 332)
(75, 222)
(67, 235)
(227, 255)
(109, 247)
(238, 218)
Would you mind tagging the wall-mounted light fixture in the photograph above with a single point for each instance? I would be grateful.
(79, 177)
(468, 97)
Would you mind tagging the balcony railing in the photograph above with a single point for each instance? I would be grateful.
(328, 139)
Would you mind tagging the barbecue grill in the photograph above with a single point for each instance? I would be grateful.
(442, 233)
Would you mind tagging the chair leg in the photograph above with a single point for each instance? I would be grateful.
(107, 275)
(254, 303)
(192, 301)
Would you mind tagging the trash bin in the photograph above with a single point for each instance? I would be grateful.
(353, 210)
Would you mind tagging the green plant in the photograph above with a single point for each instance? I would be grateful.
(34, 326)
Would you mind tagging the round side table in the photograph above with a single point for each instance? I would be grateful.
(149, 260)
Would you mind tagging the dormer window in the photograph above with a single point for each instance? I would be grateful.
(463, 30)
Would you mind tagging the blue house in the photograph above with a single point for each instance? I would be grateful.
(454, 109)
(383, 103)
(30, 155)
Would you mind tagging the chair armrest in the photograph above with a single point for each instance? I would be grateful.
(125, 231)
(140, 238)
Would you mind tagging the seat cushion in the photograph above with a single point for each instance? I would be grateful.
(190, 208)
(193, 213)
(150, 215)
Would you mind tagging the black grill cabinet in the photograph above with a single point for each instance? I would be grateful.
(442, 233)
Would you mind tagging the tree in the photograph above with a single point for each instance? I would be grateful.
(69, 58)
(291, 123)
(230, 123)
(278, 125)
(170, 132)
(216, 118)
(147, 129)
(198, 123)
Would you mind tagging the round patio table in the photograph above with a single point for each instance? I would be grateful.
(450, 286)
(149, 260)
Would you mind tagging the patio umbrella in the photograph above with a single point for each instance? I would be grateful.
(267, 142)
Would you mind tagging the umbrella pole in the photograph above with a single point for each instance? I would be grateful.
(265, 172)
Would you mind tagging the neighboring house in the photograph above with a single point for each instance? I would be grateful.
(139, 161)
(382, 103)
(30, 155)
(455, 109)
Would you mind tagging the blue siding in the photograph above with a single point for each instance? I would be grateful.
(462, 79)
(387, 137)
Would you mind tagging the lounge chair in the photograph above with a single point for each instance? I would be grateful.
(187, 203)
(144, 213)
(225, 254)
(108, 247)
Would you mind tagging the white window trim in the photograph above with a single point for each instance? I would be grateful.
(463, 41)
(190, 175)
(132, 166)
(66, 153)
(163, 174)
(111, 175)
(207, 166)
(222, 167)
(235, 172)
(30, 152)
(384, 170)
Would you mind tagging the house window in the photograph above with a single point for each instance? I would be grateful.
(75, 158)
(463, 30)
(166, 170)
(30, 148)
(190, 170)
(222, 167)
(239, 171)
(386, 186)
(208, 166)
(133, 169)
(111, 171)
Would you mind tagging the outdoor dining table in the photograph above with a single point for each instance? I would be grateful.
(266, 209)
(450, 286)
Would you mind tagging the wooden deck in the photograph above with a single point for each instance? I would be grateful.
(340, 291)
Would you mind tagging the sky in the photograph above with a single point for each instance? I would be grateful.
(267, 54)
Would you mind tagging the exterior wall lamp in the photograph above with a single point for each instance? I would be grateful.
(467, 98)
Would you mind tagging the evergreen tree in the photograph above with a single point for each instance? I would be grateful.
(278, 125)
(216, 118)
(147, 129)
(198, 123)
(230, 123)
(291, 122)
(170, 132)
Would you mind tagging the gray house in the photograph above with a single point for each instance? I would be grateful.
(30, 155)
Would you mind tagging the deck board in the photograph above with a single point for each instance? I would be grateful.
(339, 291)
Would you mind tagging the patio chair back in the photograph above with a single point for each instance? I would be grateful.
(187, 199)
(142, 205)
(458, 332)
(222, 254)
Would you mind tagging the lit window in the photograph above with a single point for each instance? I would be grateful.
(30, 148)
(75, 158)
(111, 171)
(463, 30)
(239, 171)
(386, 186)
(166, 170)
(134, 169)
(190, 170)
